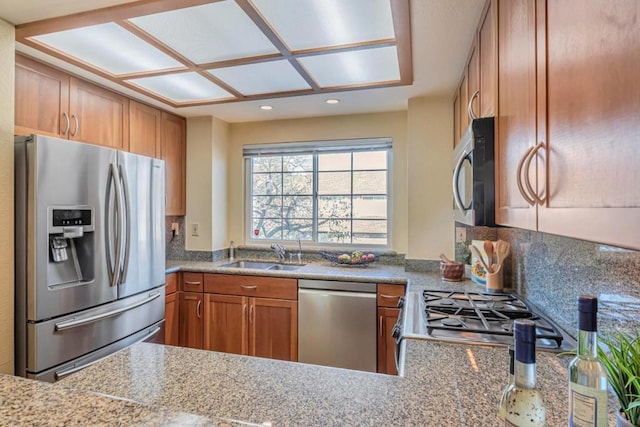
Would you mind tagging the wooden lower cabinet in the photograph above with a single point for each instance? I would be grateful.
(260, 327)
(171, 322)
(191, 319)
(387, 318)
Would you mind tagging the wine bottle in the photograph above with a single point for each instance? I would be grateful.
(503, 398)
(587, 378)
(524, 406)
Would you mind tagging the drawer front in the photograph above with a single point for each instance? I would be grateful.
(388, 295)
(192, 282)
(171, 283)
(252, 286)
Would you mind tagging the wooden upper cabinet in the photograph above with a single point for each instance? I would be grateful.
(488, 61)
(464, 101)
(145, 127)
(98, 116)
(516, 119)
(592, 127)
(273, 329)
(173, 152)
(41, 99)
(456, 119)
(473, 81)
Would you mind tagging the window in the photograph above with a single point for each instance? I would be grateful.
(325, 193)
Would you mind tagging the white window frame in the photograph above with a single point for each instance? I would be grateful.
(294, 148)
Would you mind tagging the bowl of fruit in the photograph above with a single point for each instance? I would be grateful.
(354, 258)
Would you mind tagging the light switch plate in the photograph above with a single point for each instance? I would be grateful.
(195, 229)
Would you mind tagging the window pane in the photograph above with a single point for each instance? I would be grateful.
(298, 207)
(334, 162)
(267, 206)
(298, 163)
(297, 183)
(368, 160)
(334, 183)
(334, 207)
(370, 232)
(336, 231)
(370, 207)
(267, 164)
(298, 229)
(268, 228)
(266, 183)
(370, 182)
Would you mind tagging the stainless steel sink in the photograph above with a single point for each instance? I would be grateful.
(258, 265)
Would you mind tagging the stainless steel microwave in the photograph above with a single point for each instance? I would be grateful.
(474, 175)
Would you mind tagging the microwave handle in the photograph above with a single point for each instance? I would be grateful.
(456, 177)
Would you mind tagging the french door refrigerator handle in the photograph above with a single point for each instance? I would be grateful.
(111, 264)
(119, 215)
(74, 323)
(126, 241)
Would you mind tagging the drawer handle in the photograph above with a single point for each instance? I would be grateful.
(389, 296)
(186, 282)
(248, 286)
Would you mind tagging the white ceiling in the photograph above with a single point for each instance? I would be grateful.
(442, 31)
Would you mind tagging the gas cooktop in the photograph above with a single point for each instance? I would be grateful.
(485, 318)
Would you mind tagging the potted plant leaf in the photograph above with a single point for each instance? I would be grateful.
(621, 361)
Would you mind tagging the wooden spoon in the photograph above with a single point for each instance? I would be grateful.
(488, 248)
(503, 249)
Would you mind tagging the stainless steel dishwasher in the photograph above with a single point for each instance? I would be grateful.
(337, 324)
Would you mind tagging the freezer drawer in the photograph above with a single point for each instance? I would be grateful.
(59, 340)
(66, 369)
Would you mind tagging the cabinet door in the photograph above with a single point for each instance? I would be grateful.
(225, 323)
(173, 152)
(456, 120)
(488, 46)
(273, 329)
(41, 99)
(473, 76)
(144, 129)
(592, 128)
(516, 109)
(191, 319)
(171, 316)
(464, 101)
(387, 318)
(98, 116)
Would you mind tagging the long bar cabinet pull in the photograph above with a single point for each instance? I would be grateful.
(527, 182)
(524, 195)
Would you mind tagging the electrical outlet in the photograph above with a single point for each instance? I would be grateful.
(461, 234)
(175, 227)
(195, 229)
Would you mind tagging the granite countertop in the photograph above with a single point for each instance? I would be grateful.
(444, 384)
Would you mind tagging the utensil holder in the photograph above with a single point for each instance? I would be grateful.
(495, 280)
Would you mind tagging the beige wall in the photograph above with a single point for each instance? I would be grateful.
(393, 124)
(207, 140)
(7, 66)
(429, 147)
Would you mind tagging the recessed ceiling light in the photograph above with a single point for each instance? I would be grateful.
(332, 101)
(266, 107)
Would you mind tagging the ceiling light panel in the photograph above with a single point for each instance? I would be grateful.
(260, 78)
(182, 87)
(208, 33)
(109, 47)
(354, 67)
(320, 23)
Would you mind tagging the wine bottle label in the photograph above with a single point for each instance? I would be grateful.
(587, 405)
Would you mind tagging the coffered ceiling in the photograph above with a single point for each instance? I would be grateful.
(373, 55)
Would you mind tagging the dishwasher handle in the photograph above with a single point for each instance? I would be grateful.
(330, 292)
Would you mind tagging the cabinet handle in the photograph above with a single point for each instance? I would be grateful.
(244, 309)
(75, 131)
(524, 195)
(186, 282)
(380, 328)
(472, 115)
(248, 286)
(527, 181)
(66, 117)
(251, 313)
(198, 309)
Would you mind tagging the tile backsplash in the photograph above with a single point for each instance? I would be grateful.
(552, 271)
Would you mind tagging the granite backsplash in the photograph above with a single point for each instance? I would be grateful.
(552, 271)
(175, 248)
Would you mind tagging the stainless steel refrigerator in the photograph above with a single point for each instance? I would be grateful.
(90, 253)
